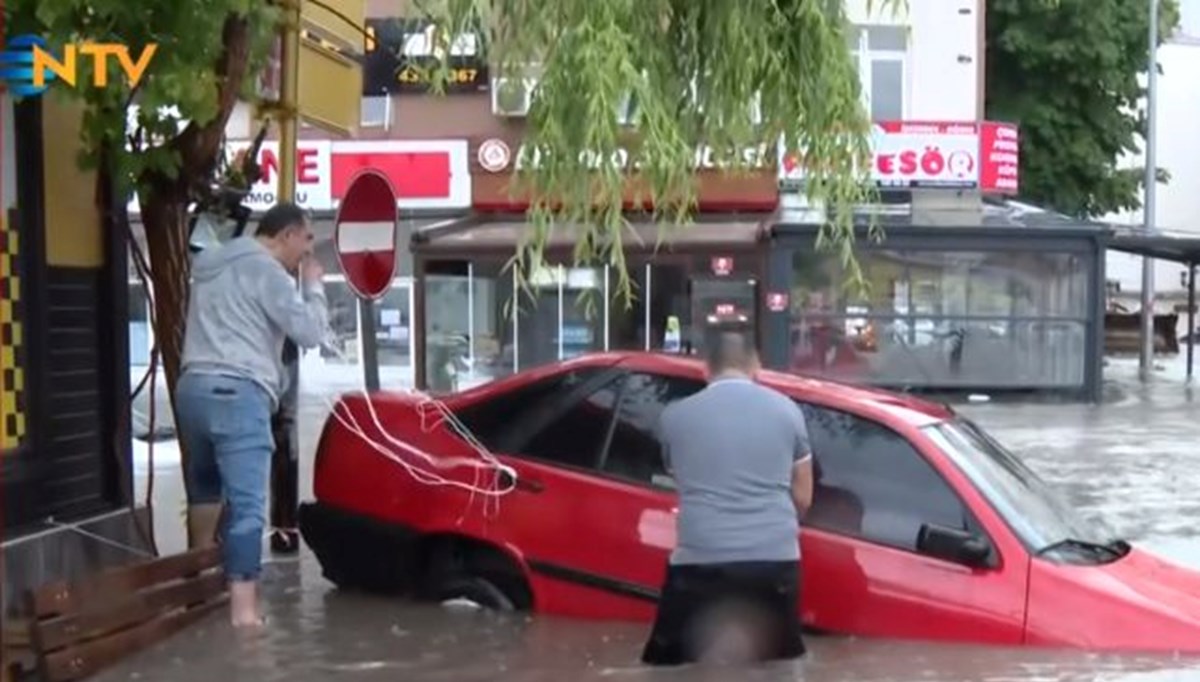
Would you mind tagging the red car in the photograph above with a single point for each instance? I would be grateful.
(922, 526)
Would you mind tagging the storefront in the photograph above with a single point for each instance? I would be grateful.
(1002, 306)
(1005, 305)
(704, 273)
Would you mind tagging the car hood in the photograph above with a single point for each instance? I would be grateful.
(1138, 603)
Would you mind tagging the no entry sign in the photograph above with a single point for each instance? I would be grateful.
(365, 234)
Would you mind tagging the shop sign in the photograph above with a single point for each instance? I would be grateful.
(722, 266)
(915, 154)
(777, 301)
(401, 53)
(494, 155)
(426, 174)
(705, 158)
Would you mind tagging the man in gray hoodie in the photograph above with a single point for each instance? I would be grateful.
(244, 303)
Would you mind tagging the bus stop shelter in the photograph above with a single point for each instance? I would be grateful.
(1170, 246)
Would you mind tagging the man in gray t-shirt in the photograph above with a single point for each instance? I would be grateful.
(740, 457)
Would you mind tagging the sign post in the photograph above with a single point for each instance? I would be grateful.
(365, 237)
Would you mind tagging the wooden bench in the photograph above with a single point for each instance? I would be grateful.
(77, 628)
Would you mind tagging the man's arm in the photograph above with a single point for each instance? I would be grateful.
(802, 464)
(660, 433)
(304, 319)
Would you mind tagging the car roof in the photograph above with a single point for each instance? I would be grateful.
(908, 409)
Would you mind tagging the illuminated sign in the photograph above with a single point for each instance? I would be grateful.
(401, 54)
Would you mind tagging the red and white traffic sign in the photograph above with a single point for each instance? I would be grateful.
(365, 234)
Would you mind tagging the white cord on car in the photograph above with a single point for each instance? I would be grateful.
(432, 414)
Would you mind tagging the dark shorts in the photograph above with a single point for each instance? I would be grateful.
(694, 594)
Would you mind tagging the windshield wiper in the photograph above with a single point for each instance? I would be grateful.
(1115, 549)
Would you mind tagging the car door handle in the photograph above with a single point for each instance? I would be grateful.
(521, 483)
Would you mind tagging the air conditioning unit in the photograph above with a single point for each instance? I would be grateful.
(627, 111)
(756, 116)
(512, 96)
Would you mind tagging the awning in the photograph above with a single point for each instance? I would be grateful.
(1162, 244)
(495, 234)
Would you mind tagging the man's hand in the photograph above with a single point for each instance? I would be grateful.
(311, 271)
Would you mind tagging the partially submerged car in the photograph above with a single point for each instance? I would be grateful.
(923, 526)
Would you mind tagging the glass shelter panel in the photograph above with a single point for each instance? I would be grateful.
(943, 318)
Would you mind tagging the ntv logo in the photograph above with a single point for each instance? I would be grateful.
(28, 66)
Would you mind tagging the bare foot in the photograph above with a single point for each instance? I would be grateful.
(243, 605)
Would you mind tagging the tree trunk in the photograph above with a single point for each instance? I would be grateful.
(164, 218)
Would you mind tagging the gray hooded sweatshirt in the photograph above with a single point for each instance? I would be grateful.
(243, 305)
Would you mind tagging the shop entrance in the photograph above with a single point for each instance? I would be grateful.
(721, 301)
(688, 304)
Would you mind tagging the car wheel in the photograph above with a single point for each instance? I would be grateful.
(476, 589)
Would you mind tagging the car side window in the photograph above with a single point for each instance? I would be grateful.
(574, 438)
(871, 483)
(634, 452)
(491, 422)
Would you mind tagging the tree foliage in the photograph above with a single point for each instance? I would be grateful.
(694, 72)
(207, 49)
(1068, 73)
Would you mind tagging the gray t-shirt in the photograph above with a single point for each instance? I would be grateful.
(731, 448)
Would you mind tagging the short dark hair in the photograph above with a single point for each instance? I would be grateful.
(280, 217)
(730, 347)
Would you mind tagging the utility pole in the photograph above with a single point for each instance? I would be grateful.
(285, 465)
(1146, 359)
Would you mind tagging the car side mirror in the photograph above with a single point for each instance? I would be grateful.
(954, 544)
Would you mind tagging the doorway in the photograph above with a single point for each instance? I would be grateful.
(722, 301)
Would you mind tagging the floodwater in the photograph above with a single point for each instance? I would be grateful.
(1133, 461)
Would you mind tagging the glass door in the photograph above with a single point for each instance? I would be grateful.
(719, 302)
(393, 326)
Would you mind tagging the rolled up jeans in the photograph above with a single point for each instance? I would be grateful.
(225, 426)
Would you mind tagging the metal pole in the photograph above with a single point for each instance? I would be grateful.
(370, 344)
(1146, 359)
(285, 466)
(1191, 319)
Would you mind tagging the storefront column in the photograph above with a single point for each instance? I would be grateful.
(646, 296)
(1093, 374)
(417, 334)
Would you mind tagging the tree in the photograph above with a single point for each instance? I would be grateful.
(208, 51)
(695, 71)
(1068, 73)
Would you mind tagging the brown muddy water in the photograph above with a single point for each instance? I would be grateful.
(1135, 462)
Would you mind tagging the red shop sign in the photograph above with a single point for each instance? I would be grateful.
(722, 265)
(777, 301)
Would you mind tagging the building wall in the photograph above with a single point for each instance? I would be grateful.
(944, 55)
(12, 330)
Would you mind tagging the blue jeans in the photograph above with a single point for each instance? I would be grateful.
(225, 426)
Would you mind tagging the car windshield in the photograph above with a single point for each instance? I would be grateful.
(1034, 510)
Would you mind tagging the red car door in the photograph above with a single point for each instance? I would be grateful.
(633, 532)
(548, 520)
(866, 568)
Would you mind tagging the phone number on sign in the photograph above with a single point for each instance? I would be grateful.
(411, 76)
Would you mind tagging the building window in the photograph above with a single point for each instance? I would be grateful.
(882, 55)
(376, 111)
(944, 319)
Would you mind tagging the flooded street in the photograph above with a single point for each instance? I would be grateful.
(1133, 461)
